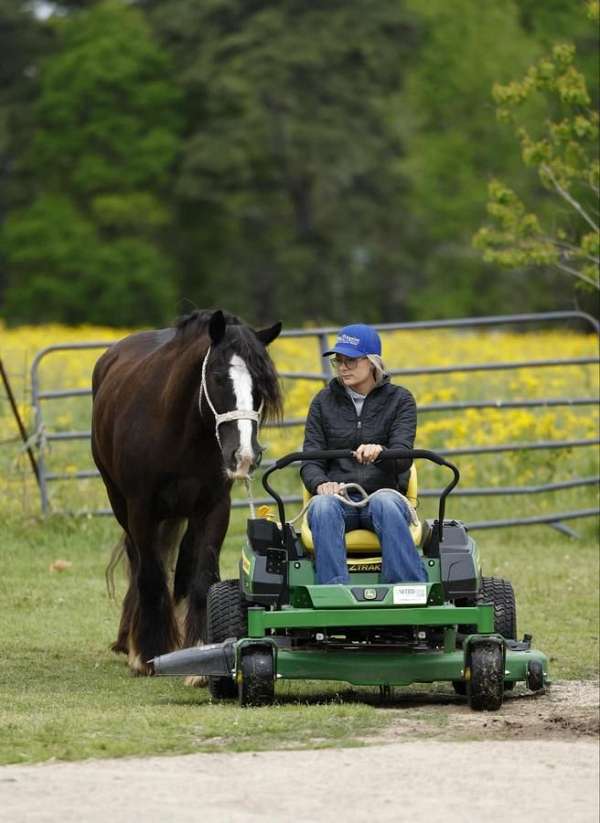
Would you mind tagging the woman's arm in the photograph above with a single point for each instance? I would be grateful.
(313, 472)
(404, 428)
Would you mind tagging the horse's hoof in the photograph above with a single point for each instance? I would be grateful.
(197, 681)
(138, 668)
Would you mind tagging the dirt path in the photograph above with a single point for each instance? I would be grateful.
(536, 759)
(568, 711)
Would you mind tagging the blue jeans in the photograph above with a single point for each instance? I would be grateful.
(387, 515)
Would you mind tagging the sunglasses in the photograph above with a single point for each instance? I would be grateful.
(349, 363)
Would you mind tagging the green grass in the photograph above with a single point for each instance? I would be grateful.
(64, 695)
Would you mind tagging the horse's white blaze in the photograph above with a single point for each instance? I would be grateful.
(242, 389)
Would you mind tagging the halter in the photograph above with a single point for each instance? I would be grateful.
(225, 417)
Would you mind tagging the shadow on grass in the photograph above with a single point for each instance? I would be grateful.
(398, 698)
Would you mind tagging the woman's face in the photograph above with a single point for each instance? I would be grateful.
(355, 372)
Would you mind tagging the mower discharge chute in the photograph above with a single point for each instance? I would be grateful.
(275, 622)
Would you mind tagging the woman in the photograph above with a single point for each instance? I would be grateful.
(361, 410)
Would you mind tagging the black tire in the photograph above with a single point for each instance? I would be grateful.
(485, 677)
(460, 687)
(535, 676)
(225, 617)
(500, 594)
(256, 678)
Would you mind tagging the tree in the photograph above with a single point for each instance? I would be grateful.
(23, 41)
(89, 245)
(565, 155)
(451, 144)
(288, 201)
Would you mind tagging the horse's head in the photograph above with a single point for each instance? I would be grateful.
(240, 386)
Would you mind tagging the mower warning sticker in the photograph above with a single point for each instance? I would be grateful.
(413, 595)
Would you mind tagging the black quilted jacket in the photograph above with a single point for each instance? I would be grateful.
(389, 417)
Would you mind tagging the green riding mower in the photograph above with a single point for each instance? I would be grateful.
(275, 622)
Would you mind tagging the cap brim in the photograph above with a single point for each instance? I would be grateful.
(347, 351)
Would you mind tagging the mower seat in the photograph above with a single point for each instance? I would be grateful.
(361, 541)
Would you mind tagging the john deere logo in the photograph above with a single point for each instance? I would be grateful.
(370, 594)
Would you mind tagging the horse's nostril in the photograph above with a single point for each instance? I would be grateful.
(242, 460)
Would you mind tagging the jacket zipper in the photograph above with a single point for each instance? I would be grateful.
(361, 468)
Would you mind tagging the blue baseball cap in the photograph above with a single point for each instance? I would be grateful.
(357, 340)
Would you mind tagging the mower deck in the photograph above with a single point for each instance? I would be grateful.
(373, 667)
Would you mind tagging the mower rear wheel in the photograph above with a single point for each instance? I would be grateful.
(485, 677)
(256, 677)
(500, 594)
(225, 617)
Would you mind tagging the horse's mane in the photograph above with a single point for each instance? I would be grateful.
(242, 340)
(196, 322)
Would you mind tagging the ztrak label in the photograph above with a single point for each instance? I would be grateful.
(415, 595)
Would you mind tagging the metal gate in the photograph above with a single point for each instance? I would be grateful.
(45, 436)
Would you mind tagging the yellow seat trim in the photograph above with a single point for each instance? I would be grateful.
(360, 541)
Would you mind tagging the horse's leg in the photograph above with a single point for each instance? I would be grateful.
(170, 536)
(153, 629)
(208, 533)
(119, 506)
(128, 608)
(186, 559)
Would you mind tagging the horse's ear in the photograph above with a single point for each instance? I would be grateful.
(267, 336)
(216, 327)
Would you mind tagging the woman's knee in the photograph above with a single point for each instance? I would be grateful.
(388, 504)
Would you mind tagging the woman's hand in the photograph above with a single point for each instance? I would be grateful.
(329, 488)
(368, 452)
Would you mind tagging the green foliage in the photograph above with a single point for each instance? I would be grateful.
(295, 160)
(565, 155)
(288, 153)
(23, 42)
(452, 143)
(88, 246)
(63, 270)
(107, 110)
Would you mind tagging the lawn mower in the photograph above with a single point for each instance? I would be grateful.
(275, 622)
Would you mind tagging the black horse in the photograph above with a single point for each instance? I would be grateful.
(175, 420)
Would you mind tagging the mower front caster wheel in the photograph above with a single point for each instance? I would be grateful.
(460, 687)
(535, 676)
(256, 678)
(485, 677)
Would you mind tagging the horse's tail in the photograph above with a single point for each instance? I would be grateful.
(115, 558)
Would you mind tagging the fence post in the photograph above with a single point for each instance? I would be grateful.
(39, 422)
(325, 364)
(20, 424)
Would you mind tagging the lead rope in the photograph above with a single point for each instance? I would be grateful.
(343, 496)
(248, 485)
